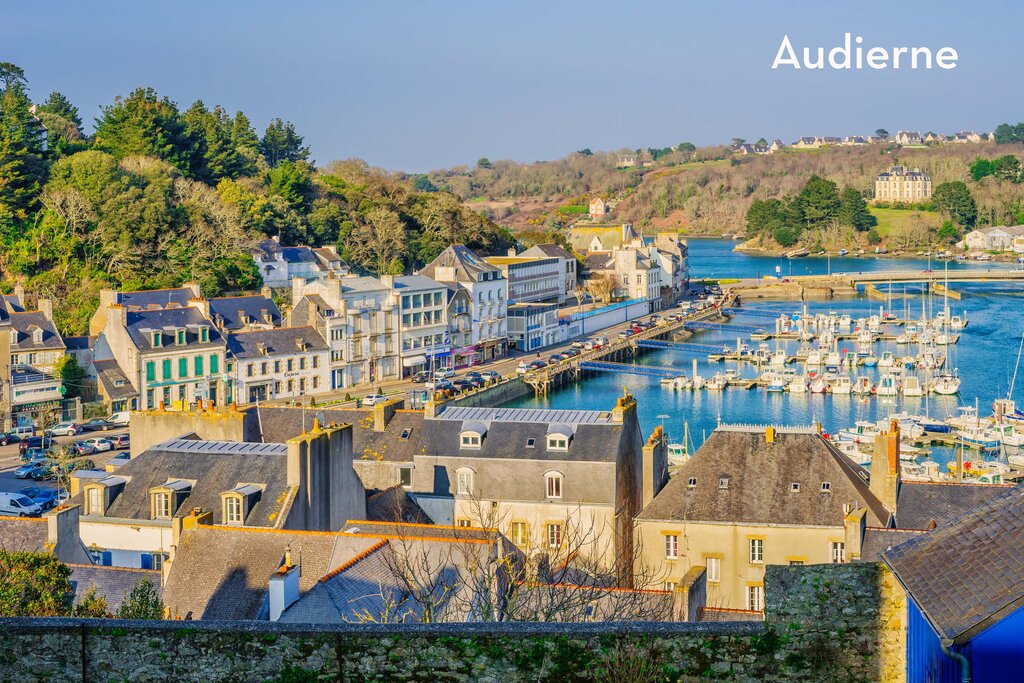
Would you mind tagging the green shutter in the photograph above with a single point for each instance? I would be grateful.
(183, 367)
(167, 368)
(213, 364)
(150, 371)
(199, 366)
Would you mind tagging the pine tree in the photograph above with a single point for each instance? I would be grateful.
(61, 106)
(22, 167)
(281, 143)
(853, 211)
(144, 124)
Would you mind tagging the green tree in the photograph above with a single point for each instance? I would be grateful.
(818, 203)
(144, 124)
(764, 215)
(585, 152)
(785, 235)
(687, 147)
(71, 375)
(1007, 167)
(955, 202)
(882, 133)
(293, 182)
(59, 105)
(483, 162)
(1006, 133)
(874, 237)
(853, 211)
(143, 602)
(22, 167)
(281, 143)
(948, 233)
(34, 585)
(981, 168)
(217, 152)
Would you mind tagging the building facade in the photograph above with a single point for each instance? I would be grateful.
(532, 278)
(533, 326)
(422, 322)
(901, 184)
(36, 347)
(568, 265)
(281, 363)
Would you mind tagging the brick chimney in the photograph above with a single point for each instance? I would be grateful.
(885, 466)
(654, 465)
(45, 306)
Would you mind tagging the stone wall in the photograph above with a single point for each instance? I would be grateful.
(494, 395)
(822, 624)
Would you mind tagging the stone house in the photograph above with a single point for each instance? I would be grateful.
(278, 363)
(901, 184)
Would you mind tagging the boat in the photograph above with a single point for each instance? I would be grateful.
(818, 385)
(945, 384)
(798, 385)
(861, 432)
(678, 454)
(814, 358)
(979, 437)
(908, 428)
(888, 385)
(678, 382)
(1006, 409)
(983, 257)
(779, 358)
(886, 360)
(776, 384)
(863, 386)
(1008, 436)
(958, 322)
(967, 417)
(908, 362)
(845, 321)
(932, 425)
(842, 385)
(871, 360)
(797, 253)
(717, 383)
(843, 252)
(851, 451)
(912, 386)
(902, 339)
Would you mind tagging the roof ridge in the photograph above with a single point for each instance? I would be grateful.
(351, 562)
(137, 570)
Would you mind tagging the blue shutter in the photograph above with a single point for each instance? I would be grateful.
(147, 561)
(107, 558)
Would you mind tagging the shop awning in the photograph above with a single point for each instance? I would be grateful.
(413, 360)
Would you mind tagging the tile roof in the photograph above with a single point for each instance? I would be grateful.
(26, 323)
(968, 573)
(158, 319)
(228, 311)
(116, 383)
(760, 478)
(278, 341)
(876, 541)
(23, 533)
(223, 465)
(113, 584)
(918, 503)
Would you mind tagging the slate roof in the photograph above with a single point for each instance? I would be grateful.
(415, 283)
(918, 503)
(109, 374)
(79, 343)
(760, 478)
(113, 584)
(467, 265)
(156, 298)
(26, 323)
(297, 255)
(157, 319)
(12, 303)
(327, 255)
(214, 467)
(278, 341)
(227, 311)
(549, 250)
(23, 533)
(223, 572)
(362, 283)
(395, 504)
(876, 541)
(969, 573)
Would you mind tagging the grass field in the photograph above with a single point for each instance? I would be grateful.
(895, 218)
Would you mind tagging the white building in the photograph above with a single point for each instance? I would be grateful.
(488, 292)
(280, 363)
(280, 265)
(422, 322)
(532, 326)
(532, 278)
(996, 238)
(566, 261)
(357, 317)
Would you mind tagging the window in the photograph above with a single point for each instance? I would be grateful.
(530, 443)
(756, 551)
(405, 476)
(150, 402)
(150, 371)
(316, 361)
(838, 552)
(183, 367)
(554, 535)
(723, 482)
(232, 510)
(669, 586)
(167, 368)
(158, 339)
(692, 483)
(463, 523)
(264, 367)
(755, 598)
(714, 565)
(517, 531)
(672, 547)
(204, 334)
(471, 440)
(214, 365)
(157, 561)
(289, 365)
(277, 367)
(181, 338)
(465, 483)
(554, 485)
(826, 487)
(558, 442)
(249, 369)
(94, 503)
(161, 506)
(796, 563)
(198, 363)
(795, 487)
(302, 363)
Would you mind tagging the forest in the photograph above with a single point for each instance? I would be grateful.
(155, 196)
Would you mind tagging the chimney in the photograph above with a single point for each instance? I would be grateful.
(45, 306)
(511, 251)
(769, 435)
(62, 534)
(196, 518)
(384, 411)
(624, 404)
(319, 468)
(266, 317)
(283, 587)
(388, 281)
(654, 466)
(19, 293)
(266, 293)
(854, 522)
(885, 466)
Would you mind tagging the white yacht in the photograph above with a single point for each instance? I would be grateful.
(912, 386)
(945, 384)
(888, 385)
(842, 385)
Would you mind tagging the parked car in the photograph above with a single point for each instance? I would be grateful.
(17, 505)
(53, 469)
(97, 424)
(372, 399)
(120, 442)
(44, 498)
(491, 376)
(538, 364)
(578, 344)
(32, 469)
(81, 448)
(17, 433)
(100, 445)
(421, 377)
(600, 341)
(462, 384)
(35, 442)
(589, 345)
(522, 368)
(571, 353)
(34, 453)
(475, 379)
(443, 385)
(555, 358)
(625, 334)
(64, 429)
(119, 419)
(444, 373)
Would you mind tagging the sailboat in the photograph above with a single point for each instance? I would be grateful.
(946, 384)
(679, 453)
(1006, 408)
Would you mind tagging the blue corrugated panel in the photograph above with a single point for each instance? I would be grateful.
(997, 653)
(925, 661)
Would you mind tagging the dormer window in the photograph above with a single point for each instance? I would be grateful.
(158, 338)
(691, 483)
(180, 337)
(723, 482)
(470, 440)
(204, 334)
(161, 505)
(795, 487)
(94, 496)
(472, 435)
(558, 437)
(826, 487)
(165, 500)
(37, 336)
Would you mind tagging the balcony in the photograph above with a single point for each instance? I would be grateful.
(30, 386)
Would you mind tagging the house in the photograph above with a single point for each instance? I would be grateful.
(637, 272)
(628, 161)
(964, 582)
(965, 137)
(598, 209)
(148, 299)
(532, 279)
(995, 238)
(329, 260)
(460, 325)
(276, 363)
(908, 137)
(830, 140)
(422, 322)
(280, 265)
(133, 516)
(937, 138)
(357, 318)
(751, 497)
(807, 143)
(902, 184)
(875, 140)
(586, 238)
(533, 326)
(673, 257)
(567, 261)
(35, 349)
(777, 145)
(55, 534)
(488, 291)
(854, 141)
(241, 313)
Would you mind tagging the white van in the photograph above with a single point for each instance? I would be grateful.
(119, 419)
(18, 505)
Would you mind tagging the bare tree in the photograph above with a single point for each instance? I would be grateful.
(602, 287)
(380, 240)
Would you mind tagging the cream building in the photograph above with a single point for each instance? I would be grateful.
(753, 497)
(901, 184)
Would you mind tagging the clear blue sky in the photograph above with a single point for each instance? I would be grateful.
(418, 85)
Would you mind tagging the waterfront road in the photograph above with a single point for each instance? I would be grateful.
(10, 460)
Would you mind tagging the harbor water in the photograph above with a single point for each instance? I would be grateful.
(984, 357)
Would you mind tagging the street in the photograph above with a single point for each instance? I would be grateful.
(10, 460)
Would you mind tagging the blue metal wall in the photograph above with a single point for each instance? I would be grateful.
(996, 654)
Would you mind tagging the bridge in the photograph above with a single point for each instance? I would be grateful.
(923, 276)
(756, 313)
(678, 346)
(630, 369)
(726, 327)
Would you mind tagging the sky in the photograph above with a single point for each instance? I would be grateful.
(422, 85)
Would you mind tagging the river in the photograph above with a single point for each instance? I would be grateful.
(985, 355)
